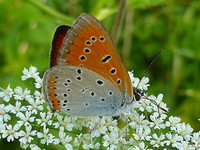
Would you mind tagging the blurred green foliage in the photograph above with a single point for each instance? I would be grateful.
(27, 27)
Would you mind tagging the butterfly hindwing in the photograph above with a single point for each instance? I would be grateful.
(78, 91)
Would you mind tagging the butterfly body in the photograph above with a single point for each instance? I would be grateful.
(87, 76)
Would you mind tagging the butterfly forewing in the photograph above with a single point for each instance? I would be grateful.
(88, 44)
(79, 91)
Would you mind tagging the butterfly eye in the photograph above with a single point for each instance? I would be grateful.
(138, 94)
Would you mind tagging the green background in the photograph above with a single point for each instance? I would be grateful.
(27, 27)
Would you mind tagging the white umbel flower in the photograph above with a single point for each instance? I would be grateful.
(27, 135)
(7, 93)
(45, 136)
(11, 132)
(30, 73)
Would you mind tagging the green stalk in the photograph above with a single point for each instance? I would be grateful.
(52, 12)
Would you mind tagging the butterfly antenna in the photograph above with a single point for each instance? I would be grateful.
(155, 103)
(152, 62)
(141, 93)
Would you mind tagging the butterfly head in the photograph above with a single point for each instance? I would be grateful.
(138, 94)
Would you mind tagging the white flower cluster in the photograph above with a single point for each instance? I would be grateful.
(25, 117)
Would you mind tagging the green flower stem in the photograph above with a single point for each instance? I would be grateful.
(52, 12)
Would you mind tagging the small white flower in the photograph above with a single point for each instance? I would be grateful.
(17, 108)
(131, 74)
(157, 141)
(96, 132)
(27, 136)
(173, 139)
(25, 118)
(11, 132)
(38, 83)
(142, 134)
(184, 130)
(21, 95)
(34, 147)
(145, 105)
(141, 146)
(24, 146)
(196, 139)
(159, 102)
(184, 145)
(78, 140)
(66, 122)
(35, 105)
(138, 121)
(91, 145)
(111, 140)
(91, 122)
(86, 140)
(31, 73)
(109, 121)
(173, 121)
(7, 93)
(46, 119)
(100, 127)
(65, 139)
(38, 94)
(4, 116)
(141, 84)
(46, 137)
(2, 127)
(158, 120)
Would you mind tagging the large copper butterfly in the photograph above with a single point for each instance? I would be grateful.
(86, 75)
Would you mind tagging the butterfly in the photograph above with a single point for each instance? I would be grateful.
(87, 76)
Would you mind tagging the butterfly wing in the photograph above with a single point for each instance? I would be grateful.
(88, 44)
(79, 91)
(59, 35)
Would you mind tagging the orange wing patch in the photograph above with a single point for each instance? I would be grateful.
(54, 102)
